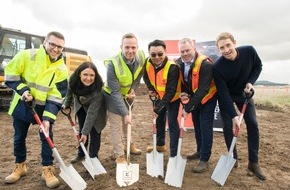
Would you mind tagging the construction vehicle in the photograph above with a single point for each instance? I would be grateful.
(12, 41)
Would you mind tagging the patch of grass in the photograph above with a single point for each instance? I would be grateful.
(277, 98)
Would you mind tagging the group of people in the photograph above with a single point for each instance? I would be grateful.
(40, 75)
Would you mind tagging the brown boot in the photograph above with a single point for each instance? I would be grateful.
(19, 171)
(200, 167)
(121, 159)
(133, 149)
(194, 156)
(48, 177)
(158, 148)
(255, 168)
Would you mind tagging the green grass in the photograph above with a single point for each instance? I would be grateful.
(273, 97)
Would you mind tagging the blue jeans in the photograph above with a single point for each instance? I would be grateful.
(252, 129)
(172, 113)
(202, 118)
(20, 133)
(95, 137)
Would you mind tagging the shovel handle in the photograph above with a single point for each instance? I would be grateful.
(129, 130)
(154, 100)
(30, 105)
(247, 97)
(68, 115)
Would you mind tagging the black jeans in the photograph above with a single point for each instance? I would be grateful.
(95, 137)
(172, 111)
(252, 129)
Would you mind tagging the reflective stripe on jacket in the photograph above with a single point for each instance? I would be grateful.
(123, 73)
(47, 82)
(195, 78)
(159, 80)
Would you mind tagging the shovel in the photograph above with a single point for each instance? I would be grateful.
(154, 159)
(176, 165)
(127, 173)
(227, 162)
(68, 174)
(93, 165)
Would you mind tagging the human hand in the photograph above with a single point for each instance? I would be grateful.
(127, 120)
(131, 94)
(236, 123)
(63, 107)
(26, 96)
(153, 93)
(248, 88)
(184, 98)
(83, 139)
(46, 126)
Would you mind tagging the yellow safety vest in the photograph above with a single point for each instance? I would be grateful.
(34, 68)
(123, 72)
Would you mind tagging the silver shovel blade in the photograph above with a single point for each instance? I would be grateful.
(154, 164)
(127, 174)
(72, 178)
(94, 166)
(175, 171)
(223, 169)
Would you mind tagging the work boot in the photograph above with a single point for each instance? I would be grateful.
(158, 148)
(19, 171)
(200, 167)
(133, 149)
(77, 159)
(121, 159)
(255, 168)
(48, 176)
(194, 156)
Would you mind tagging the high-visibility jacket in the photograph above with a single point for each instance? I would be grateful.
(195, 78)
(47, 82)
(123, 72)
(159, 80)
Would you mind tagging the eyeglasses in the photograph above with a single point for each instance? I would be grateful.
(158, 54)
(53, 45)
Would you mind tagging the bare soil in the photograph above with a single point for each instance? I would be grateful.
(274, 154)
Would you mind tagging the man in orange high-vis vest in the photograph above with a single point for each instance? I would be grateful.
(162, 78)
(197, 81)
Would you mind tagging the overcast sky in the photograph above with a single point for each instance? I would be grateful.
(98, 25)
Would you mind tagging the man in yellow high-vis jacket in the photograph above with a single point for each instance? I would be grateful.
(38, 75)
(124, 72)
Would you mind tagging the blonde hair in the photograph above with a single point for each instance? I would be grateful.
(128, 35)
(224, 36)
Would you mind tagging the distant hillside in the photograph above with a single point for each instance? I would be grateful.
(268, 83)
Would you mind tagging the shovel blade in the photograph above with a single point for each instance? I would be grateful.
(127, 174)
(94, 166)
(223, 169)
(154, 163)
(72, 178)
(175, 171)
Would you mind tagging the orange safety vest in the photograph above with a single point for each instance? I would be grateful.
(159, 80)
(195, 79)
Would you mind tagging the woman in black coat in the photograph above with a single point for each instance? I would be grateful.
(86, 88)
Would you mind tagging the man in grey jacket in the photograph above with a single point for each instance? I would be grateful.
(124, 72)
